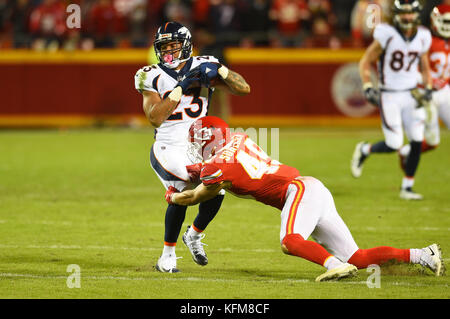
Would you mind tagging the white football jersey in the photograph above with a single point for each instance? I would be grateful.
(398, 66)
(162, 80)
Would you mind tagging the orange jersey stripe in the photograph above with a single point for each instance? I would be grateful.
(293, 211)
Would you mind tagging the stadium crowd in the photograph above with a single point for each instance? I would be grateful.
(41, 24)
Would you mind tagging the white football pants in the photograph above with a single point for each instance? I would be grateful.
(309, 210)
(399, 111)
(440, 108)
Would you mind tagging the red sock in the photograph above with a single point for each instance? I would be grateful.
(427, 147)
(362, 258)
(309, 250)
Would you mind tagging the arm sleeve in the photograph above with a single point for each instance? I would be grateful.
(144, 80)
(211, 174)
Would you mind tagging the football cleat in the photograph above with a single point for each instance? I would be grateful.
(409, 194)
(344, 271)
(432, 259)
(195, 246)
(167, 264)
(356, 164)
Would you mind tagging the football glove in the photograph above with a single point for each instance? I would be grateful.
(188, 81)
(423, 97)
(169, 193)
(208, 72)
(428, 95)
(372, 95)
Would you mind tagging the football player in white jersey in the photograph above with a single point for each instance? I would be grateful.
(401, 51)
(175, 93)
(439, 106)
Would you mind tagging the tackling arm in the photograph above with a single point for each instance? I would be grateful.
(200, 194)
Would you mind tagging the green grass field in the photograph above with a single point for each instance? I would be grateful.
(90, 198)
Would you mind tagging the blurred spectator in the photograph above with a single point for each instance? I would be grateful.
(17, 15)
(323, 22)
(139, 24)
(290, 15)
(200, 13)
(155, 12)
(256, 23)
(178, 10)
(221, 23)
(225, 21)
(365, 16)
(103, 23)
(322, 35)
(48, 24)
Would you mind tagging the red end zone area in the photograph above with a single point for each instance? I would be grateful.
(289, 87)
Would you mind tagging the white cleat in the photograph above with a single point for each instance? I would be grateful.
(356, 164)
(344, 271)
(432, 259)
(195, 246)
(167, 264)
(409, 194)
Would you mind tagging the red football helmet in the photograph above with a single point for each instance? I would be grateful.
(440, 20)
(207, 135)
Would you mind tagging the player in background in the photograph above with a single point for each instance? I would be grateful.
(175, 93)
(439, 56)
(235, 163)
(401, 50)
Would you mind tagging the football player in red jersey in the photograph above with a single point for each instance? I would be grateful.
(439, 56)
(235, 163)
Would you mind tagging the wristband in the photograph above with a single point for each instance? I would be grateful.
(176, 94)
(223, 72)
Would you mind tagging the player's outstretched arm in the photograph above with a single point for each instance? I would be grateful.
(199, 194)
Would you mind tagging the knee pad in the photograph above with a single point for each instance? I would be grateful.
(290, 240)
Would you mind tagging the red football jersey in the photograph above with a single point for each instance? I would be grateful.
(439, 55)
(250, 170)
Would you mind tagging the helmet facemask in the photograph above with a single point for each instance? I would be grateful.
(441, 22)
(181, 36)
(410, 8)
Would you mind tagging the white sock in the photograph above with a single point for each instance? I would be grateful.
(404, 150)
(407, 182)
(168, 250)
(365, 149)
(332, 262)
(414, 255)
